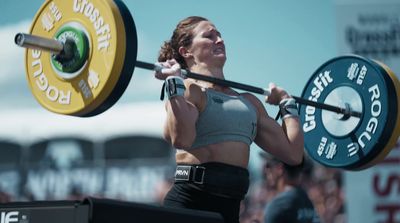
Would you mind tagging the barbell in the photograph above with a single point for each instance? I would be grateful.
(62, 51)
(81, 54)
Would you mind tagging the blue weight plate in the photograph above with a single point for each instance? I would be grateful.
(349, 142)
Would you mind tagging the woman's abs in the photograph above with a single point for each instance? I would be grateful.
(233, 153)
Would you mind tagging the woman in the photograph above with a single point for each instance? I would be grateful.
(212, 127)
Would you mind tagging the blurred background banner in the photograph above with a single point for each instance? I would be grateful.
(45, 156)
(371, 28)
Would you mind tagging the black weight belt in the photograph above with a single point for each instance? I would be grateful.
(215, 178)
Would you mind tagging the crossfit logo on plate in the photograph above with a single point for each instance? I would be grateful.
(320, 83)
(93, 14)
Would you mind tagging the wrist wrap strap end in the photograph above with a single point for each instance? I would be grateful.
(288, 108)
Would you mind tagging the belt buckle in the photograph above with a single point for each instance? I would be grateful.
(202, 174)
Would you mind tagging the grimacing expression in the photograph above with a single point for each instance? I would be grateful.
(207, 45)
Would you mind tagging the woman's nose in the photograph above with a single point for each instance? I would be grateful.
(219, 40)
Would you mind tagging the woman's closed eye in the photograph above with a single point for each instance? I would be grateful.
(212, 35)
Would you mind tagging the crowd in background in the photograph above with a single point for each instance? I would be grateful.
(323, 185)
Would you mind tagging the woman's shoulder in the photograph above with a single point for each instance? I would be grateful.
(253, 99)
(191, 85)
(195, 94)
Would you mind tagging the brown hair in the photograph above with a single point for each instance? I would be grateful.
(182, 36)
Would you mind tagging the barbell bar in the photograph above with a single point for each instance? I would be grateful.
(348, 109)
(58, 48)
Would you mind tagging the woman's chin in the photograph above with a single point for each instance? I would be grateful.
(220, 56)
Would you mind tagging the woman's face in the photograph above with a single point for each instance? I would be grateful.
(207, 45)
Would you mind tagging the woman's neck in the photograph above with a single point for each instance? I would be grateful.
(208, 70)
(216, 71)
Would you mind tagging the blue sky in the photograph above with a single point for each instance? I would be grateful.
(267, 41)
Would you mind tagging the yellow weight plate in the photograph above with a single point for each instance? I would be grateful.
(94, 83)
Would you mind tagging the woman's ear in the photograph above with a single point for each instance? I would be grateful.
(184, 52)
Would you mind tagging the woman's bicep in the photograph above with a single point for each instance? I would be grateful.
(182, 115)
(284, 142)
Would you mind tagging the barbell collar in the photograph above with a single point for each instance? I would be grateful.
(62, 52)
(345, 111)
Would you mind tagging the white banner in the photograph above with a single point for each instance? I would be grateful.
(370, 30)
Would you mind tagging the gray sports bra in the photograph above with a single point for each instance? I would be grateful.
(225, 118)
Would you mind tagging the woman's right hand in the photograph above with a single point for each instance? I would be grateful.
(170, 68)
(277, 94)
